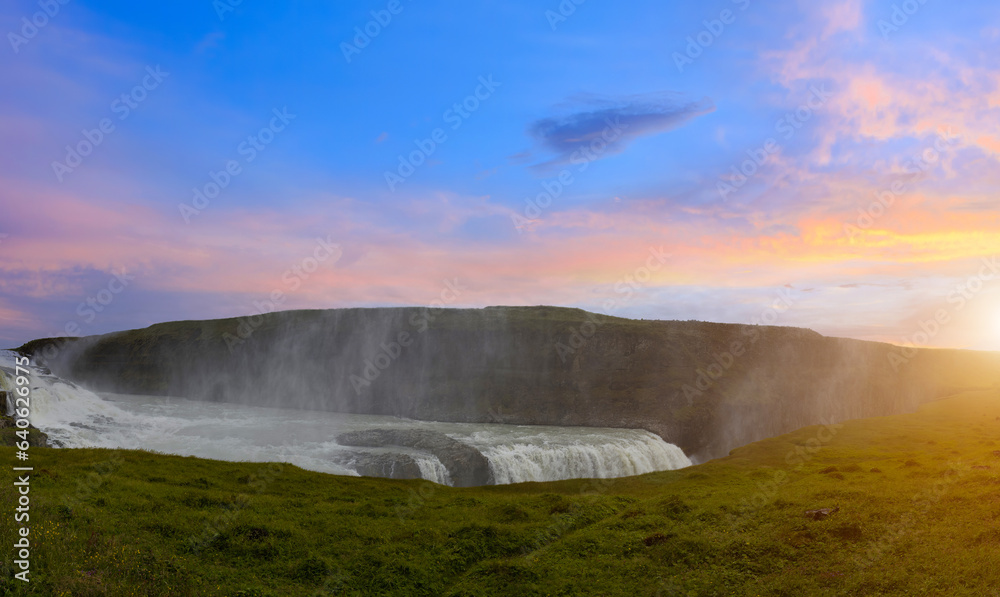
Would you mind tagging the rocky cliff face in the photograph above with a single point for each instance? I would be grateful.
(703, 386)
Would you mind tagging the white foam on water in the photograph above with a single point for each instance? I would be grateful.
(549, 454)
(432, 469)
(69, 414)
(75, 417)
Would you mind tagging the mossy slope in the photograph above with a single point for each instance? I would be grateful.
(918, 498)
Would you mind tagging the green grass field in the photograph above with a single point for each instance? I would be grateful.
(918, 498)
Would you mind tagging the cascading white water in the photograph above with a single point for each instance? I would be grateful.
(65, 411)
(538, 456)
(77, 418)
(432, 469)
(7, 386)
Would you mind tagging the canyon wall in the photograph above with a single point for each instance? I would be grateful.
(705, 387)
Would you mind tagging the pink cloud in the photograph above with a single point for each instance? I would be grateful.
(841, 16)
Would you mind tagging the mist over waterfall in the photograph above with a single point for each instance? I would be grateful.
(704, 387)
(378, 361)
(75, 417)
(67, 412)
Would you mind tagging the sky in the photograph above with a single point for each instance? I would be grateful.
(830, 165)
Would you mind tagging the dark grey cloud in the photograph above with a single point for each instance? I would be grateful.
(599, 126)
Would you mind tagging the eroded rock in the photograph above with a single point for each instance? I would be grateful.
(466, 465)
(387, 466)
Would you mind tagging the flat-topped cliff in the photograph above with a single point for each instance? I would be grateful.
(706, 387)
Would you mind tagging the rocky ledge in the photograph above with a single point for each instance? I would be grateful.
(466, 465)
(8, 427)
(387, 466)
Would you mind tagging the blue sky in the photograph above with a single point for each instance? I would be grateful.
(863, 97)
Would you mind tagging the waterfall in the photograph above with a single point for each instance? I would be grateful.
(69, 414)
(604, 454)
(75, 417)
(432, 469)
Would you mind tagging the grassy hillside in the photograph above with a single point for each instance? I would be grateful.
(707, 387)
(918, 498)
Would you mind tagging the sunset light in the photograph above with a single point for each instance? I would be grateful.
(507, 298)
(843, 156)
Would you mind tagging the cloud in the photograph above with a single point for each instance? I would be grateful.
(613, 123)
(842, 16)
